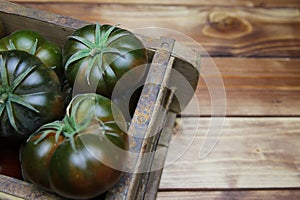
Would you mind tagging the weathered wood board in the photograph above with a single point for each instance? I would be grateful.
(254, 87)
(250, 153)
(230, 195)
(222, 31)
(248, 3)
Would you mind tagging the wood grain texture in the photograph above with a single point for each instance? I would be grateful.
(250, 153)
(222, 31)
(14, 189)
(258, 153)
(254, 87)
(231, 195)
(247, 3)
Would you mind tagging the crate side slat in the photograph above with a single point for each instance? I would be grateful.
(144, 123)
(14, 189)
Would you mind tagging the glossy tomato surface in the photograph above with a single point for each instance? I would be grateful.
(30, 94)
(81, 156)
(97, 56)
(34, 43)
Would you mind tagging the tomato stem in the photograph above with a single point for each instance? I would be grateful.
(71, 125)
(96, 49)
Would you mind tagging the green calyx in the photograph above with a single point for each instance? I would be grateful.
(67, 127)
(7, 93)
(70, 126)
(96, 50)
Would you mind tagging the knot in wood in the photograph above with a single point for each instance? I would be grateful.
(225, 25)
(228, 23)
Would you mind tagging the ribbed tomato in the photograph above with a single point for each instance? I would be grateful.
(81, 156)
(97, 56)
(35, 44)
(30, 94)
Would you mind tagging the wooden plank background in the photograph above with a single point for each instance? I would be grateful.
(254, 87)
(222, 31)
(230, 195)
(255, 45)
(227, 3)
(250, 153)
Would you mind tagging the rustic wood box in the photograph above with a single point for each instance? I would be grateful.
(165, 54)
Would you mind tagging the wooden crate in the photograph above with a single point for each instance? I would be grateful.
(164, 55)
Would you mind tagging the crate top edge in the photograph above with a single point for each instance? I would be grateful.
(41, 15)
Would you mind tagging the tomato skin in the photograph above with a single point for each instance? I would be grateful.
(36, 171)
(39, 89)
(24, 40)
(80, 173)
(123, 52)
(84, 168)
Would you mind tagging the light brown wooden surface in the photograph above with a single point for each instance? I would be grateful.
(259, 87)
(250, 153)
(237, 31)
(247, 3)
(230, 195)
(256, 47)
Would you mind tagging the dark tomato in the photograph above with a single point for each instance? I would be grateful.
(34, 43)
(30, 94)
(81, 156)
(97, 56)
